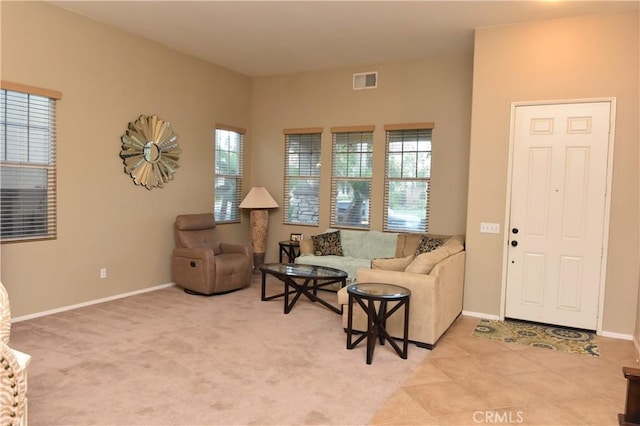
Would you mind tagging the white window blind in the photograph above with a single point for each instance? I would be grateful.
(28, 200)
(228, 173)
(407, 178)
(351, 172)
(302, 176)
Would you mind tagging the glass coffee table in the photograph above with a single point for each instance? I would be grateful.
(367, 296)
(302, 279)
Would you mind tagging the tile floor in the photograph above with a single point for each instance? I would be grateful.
(469, 380)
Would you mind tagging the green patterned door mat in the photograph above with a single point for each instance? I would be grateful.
(539, 336)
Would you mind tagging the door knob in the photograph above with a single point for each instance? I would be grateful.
(514, 243)
(514, 230)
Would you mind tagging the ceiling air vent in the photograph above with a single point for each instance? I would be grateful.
(365, 80)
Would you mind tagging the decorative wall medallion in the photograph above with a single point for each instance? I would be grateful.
(150, 151)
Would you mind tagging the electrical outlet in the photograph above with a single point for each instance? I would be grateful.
(490, 228)
(103, 273)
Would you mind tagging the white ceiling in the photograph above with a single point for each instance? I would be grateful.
(263, 38)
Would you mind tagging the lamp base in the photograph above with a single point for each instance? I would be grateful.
(258, 260)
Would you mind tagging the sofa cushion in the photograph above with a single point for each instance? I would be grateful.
(456, 239)
(350, 265)
(327, 244)
(368, 244)
(407, 243)
(425, 262)
(428, 243)
(392, 264)
(306, 246)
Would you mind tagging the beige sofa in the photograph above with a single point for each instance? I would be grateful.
(359, 248)
(436, 282)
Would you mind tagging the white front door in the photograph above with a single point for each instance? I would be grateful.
(557, 213)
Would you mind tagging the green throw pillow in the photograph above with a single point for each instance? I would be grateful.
(327, 244)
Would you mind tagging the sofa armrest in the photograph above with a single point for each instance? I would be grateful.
(422, 286)
(448, 272)
(436, 298)
(306, 246)
(450, 275)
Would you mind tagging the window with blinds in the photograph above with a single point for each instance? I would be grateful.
(28, 158)
(228, 174)
(351, 173)
(407, 175)
(302, 176)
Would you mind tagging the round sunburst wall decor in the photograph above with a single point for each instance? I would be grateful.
(150, 151)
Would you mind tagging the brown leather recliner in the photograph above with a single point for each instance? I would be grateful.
(203, 265)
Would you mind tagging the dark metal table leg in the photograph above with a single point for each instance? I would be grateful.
(382, 320)
(350, 322)
(350, 343)
(264, 292)
(299, 289)
(371, 330)
(405, 346)
(286, 297)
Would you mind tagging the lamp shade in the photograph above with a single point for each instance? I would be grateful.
(258, 198)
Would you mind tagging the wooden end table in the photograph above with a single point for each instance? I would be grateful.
(366, 294)
(289, 250)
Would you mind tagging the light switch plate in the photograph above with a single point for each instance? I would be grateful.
(489, 228)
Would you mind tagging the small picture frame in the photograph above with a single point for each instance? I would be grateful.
(296, 237)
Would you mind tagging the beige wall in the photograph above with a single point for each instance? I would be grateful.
(582, 57)
(636, 336)
(436, 90)
(109, 78)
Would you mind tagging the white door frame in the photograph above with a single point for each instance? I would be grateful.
(607, 201)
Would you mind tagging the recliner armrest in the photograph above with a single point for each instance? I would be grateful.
(245, 249)
(204, 254)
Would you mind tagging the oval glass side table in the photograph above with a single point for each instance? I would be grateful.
(366, 295)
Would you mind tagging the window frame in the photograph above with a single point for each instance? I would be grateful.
(45, 227)
(401, 131)
(311, 139)
(237, 177)
(352, 132)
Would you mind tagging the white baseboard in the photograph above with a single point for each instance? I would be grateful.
(613, 335)
(617, 335)
(480, 315)
(91, 302)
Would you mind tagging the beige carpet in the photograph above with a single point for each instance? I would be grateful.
(166, 357)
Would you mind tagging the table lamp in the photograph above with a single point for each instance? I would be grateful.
(259, 201)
